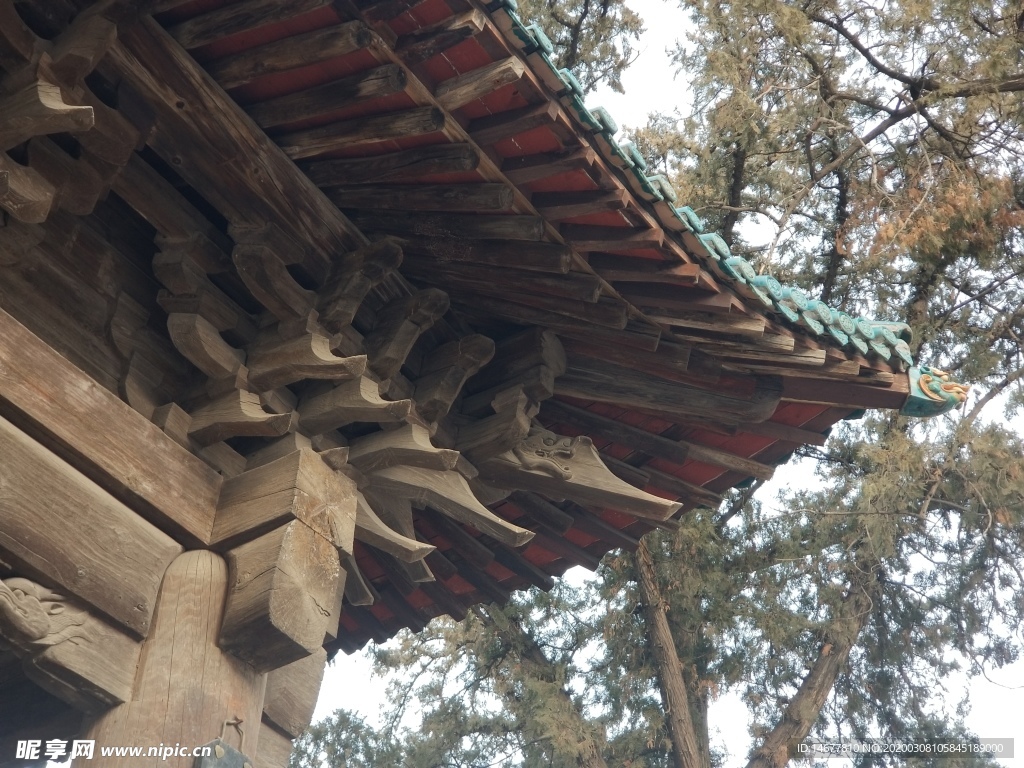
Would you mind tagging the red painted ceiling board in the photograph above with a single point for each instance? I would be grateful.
(604, 219)
(690, 471)
(498, 572)
(459, 586)
(422, 15)
(531, 142)
(505, 98)
(570, 181)
(419, 599)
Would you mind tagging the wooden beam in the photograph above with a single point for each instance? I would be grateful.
(104, 554)
(426, 254)
(577, 286)
(371, 529)
(427, 42)
(299, 486)
(290, 53)
(445, 371)
(235, 414)
(200, 342)
(448, 493)
(335, 95)
(682, 488)
(409, 445)
(202, 132)
(66, 649)
(274, 364)
(470, 86)
(101, 436)
(558, 206)
(609, 383)
(240, 17)
(641, 440)
(362, 130)
(787, 433)
(537, 309)
(292, 691)
(523, 170)
(562, 467)
(590, 237)
(598, 527)
(426, 197)
(493, 128)
(461, 226)
(407, 164)
(279, 582)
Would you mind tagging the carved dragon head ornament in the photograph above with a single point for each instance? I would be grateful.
(933, 392)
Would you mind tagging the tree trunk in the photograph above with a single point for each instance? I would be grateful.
(779, 746)
(686, 752)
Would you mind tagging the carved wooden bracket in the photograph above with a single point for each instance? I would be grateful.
(570, 468)
(65, 648)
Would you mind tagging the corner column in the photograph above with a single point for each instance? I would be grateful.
(187, 691)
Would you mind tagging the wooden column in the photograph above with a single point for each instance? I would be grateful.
(186, 688)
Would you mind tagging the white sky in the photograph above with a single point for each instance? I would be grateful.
(650, 83)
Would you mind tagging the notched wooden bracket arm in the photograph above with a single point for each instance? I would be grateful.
(38, 109)
(236, 414)
(203, 346)
(570, 468)
(446, 371)
(409, 445)
(399, 325)
(371, 529)
(450, 494)
(267, 278)
(350, 401)
(360, 271)
(273, 365)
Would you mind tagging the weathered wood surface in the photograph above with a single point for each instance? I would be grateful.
(310, 142)
(58, 523)
(356, 400)
(346, 93)
(350, 282)
(469, 86)
(296, 486)
(65, 647)
(239, 17)
(678, 451)
(281, 588)
(407, 164)
(448, 493)
(290, 53)
(37, 110)
(292, 691)
(187, 688)
(425, 197)
(594, 380)
(276, 363)
(103, 437)
(274, 748)
(570, 468)
(198, 124)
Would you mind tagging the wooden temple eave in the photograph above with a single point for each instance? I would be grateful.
(330, 318)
